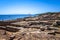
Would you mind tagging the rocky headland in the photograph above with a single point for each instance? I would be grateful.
(44, 26)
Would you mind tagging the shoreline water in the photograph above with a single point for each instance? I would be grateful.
(13, 17)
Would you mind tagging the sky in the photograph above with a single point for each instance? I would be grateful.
(29, 6)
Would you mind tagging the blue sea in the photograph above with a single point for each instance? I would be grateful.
(12, 17)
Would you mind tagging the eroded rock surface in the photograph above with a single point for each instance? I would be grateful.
(32, 28)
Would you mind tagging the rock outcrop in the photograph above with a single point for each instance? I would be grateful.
(38, 27)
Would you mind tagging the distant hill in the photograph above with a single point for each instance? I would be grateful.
(49, 16)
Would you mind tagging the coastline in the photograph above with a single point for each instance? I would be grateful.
(14, 17)
(47, 25)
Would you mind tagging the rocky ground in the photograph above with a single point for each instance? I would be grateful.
(42, 27)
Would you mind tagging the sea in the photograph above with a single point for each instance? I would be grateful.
(12, 17)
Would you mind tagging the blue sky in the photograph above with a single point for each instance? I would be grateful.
(28, 6)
